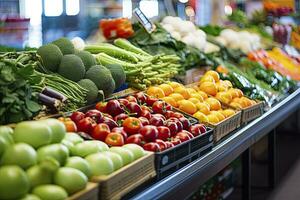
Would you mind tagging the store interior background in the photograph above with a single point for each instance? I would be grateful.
(36, 22)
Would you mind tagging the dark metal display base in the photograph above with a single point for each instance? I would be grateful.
(188, 179)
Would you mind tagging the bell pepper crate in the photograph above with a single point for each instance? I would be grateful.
(89, 193)
(126, 179)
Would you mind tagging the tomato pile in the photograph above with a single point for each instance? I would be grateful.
(139, 119)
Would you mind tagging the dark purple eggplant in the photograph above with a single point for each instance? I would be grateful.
(53, 93)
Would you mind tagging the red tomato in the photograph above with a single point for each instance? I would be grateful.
(100, 131)
(143, 107)
(131, 99)
(114, 108)
(149, 132)
(161, 107)
(114, 139)
(123, 102)
(101, 106)
(86, 125)
(96, 115)
(169, 114)
(132, 125)
(183, 136)
(140, 97)
(77, 116)
(151, 100)
(134, 108)
(172, 127)
(120, 130)
(69, 124)
(156, 121)
(177, 115)
(159, 115)
(110, 122)
(178, 123)
(152, 146)
(136, 139)
(120, 118)
(185, 123)
(169, 144)
(146, 114)
(163, 146)
(175, 141)
(163, 133)
(144, 121)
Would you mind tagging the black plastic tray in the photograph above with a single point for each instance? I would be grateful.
(174, 158)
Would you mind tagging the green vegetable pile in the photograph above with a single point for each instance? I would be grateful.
(161, 42)
(17, 101)
(61, 57)
(141, 69)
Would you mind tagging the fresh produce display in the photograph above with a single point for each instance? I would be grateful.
(141, 69)
(39, 159)
(194, 101)
(187, 32)
(160, 41)
(222, 90)
(248, 83)
(139, 119)
(242, 40)
(279, 61)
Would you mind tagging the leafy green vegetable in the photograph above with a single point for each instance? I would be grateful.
(161, 42)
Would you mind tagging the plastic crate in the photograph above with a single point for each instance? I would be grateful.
(124, 180)
(174, 158)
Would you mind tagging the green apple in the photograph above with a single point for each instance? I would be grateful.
(116, 158)
(33, 133)
(14, 183)
(37, 175)
(57, 151)
(58, 129)
(88, 147)
(6, 133)
(100, 164)
(137, 150)
(20, 154)
(79, 163)
(30, 197)
(50, 192)
(127, 156)
(72, 180)
(73, 137)
(68, 144)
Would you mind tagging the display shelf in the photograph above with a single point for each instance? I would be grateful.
(185, 181)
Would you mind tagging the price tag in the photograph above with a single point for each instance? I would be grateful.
(146, 23)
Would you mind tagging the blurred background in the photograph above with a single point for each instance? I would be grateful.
(34, 22)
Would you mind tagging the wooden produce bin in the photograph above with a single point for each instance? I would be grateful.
(252, 112)
(89, 193)
(124, 180)
(226, 126)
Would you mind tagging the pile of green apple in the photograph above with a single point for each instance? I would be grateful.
(39, 160)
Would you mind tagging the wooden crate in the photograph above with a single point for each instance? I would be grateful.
(252, 112)
(226, 126)
(119, 183)
(89, 193)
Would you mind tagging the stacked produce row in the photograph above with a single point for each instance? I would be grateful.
(105, 144)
